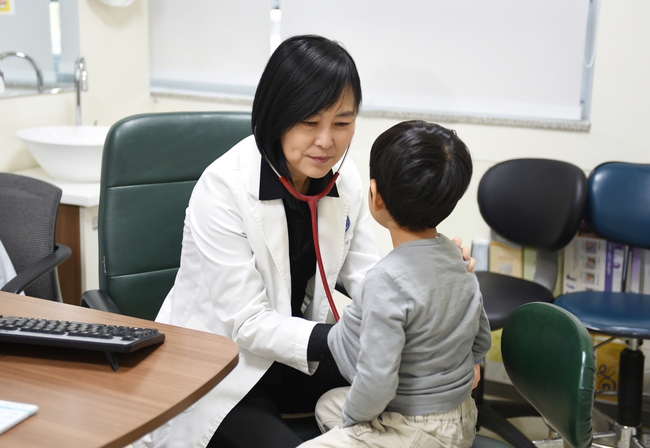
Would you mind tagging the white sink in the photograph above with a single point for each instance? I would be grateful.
(69, 153)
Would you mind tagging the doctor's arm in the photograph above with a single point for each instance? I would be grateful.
(247, 295)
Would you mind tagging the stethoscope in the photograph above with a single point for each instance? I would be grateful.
(312, 201)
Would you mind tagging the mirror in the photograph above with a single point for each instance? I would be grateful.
(47, 32)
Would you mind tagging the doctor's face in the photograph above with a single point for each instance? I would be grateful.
(312, 147)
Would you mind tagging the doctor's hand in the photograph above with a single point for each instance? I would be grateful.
(464, 251)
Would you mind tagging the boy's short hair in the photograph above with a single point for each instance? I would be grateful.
(421, 170)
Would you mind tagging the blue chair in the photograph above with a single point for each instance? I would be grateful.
(618, 209)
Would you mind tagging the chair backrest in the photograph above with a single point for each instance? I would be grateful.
(150, 165)
(28, 213)
(549, 357)
(618, 203)
(534, 202)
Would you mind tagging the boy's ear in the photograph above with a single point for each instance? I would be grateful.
(375, 201)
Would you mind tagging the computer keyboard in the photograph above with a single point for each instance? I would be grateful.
(80, 335)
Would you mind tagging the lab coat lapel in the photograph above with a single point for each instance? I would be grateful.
(332, 226)
(272, 223)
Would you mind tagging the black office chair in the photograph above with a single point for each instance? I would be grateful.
(28, 214)
(536, 203)
(150, 165)
(618, 209)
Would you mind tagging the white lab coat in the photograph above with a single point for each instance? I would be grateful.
(234, 279)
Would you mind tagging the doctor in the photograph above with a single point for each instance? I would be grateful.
(248, 264)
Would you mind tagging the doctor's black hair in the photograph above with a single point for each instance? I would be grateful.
(421, 170)
(305, 75)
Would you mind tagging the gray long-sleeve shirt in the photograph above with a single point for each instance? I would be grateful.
(409, 340)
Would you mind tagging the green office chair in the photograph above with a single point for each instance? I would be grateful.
(549, 357)
(150, 165)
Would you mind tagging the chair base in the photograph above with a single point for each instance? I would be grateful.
(604, 440)
(627, 437)
(494, 414)
(608, 434)
(604, 418)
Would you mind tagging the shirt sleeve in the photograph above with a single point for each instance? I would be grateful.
(317, 348)
(483, 339)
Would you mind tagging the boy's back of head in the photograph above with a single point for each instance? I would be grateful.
(421, 170)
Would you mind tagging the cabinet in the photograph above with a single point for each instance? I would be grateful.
(77, 229)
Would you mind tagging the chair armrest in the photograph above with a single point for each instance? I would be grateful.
(28, 276)
(99, 300)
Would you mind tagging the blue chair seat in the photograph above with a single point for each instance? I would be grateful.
(614, 313)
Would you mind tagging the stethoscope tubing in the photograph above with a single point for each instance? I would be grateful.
(312, 201)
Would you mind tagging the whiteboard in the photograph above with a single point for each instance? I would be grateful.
(492, 58)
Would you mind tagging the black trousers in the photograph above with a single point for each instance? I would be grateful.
(256, 421)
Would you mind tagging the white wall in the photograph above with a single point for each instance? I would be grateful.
(115, 42)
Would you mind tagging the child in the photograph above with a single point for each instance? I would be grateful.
(410, 340)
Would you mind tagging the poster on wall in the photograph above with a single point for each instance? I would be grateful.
(6, 6)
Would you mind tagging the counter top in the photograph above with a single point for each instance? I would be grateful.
(74, 193)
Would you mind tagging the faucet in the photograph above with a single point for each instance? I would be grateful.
(39, 75)
(80, 83)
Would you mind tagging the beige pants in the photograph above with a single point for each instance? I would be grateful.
(456, 428)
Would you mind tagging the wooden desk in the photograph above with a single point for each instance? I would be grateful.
(83, 403)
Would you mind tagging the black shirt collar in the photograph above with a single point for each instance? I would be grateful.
(272, 188)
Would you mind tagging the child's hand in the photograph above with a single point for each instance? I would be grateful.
(477, 375)
(464, 251)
